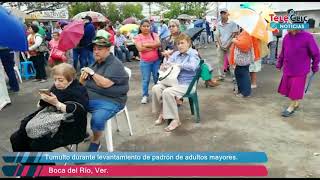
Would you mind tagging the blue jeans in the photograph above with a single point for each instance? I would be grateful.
(146, 69)
(84, 55)
(7, 60)
(101, 111)
(119, 53)
(90, 57)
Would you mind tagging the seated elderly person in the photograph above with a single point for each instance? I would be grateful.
(67, 96)
(107, 83)
(163, 97)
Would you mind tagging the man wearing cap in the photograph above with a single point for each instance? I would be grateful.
(83, 51)
(226, 30)
(107, 84)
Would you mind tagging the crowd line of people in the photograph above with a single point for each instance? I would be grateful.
(104, 83)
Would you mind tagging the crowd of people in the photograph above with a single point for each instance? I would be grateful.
(104, 83)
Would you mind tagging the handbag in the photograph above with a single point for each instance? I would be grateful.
(48, 120)
(169, 77)
(243, 58)
(58, 54)
(43, 46)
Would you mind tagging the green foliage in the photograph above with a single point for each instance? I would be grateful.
(129, 10)
(78, 7)
(174, 9)
(112, 11)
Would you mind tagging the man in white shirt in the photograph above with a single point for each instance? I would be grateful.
(226, 30)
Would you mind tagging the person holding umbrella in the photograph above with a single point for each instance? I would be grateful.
(298, 48)
(83, 51)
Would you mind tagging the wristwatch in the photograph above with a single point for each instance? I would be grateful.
(92, 73)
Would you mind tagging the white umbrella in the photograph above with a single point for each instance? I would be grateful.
(96, 17)
(184, 16)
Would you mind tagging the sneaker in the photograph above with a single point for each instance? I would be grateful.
(36, 80)
(93, 147)
(144, 100)
(43, 81)
(253, 86)
(287, 113)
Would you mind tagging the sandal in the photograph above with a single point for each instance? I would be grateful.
(172, 126)
(159, 121)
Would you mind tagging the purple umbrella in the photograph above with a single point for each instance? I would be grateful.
(130, 20)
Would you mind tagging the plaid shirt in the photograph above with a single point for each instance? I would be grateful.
(120, 40)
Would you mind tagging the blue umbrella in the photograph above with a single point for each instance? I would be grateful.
(12, 33)
(198, 23)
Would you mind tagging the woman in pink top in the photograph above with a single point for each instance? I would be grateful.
(147, 45)
(56, 56)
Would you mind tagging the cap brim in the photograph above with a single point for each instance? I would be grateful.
(96, 42)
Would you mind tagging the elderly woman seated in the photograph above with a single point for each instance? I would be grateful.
(67, 96)
(164, 98)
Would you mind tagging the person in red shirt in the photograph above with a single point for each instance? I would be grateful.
(110, 30)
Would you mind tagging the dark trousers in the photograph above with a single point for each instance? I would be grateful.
(134, 50)
(243, 80)
(84, 55)
(7, 60)
(39, 64)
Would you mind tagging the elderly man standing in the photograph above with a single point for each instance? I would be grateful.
(107, 84)
(226, 30)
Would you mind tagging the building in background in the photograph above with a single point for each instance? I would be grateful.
(48, 18)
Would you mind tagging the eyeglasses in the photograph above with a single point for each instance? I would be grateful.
(172, 26)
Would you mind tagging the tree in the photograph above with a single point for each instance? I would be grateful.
(113, 13)
(129, 10)
(31, 7)
(78, 7)
(174, 9)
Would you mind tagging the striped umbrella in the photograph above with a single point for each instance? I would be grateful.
(96, 17)
(264, 11)
(253, 23)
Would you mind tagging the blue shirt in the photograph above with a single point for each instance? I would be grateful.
(189, 62)
(154, 28)
(164, 31)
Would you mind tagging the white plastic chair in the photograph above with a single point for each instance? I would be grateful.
(108, 129)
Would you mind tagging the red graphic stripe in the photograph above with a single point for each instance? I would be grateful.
(37, 171)
(172, 170)
(25, 170)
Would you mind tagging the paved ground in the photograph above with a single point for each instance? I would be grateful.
(227, 123)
